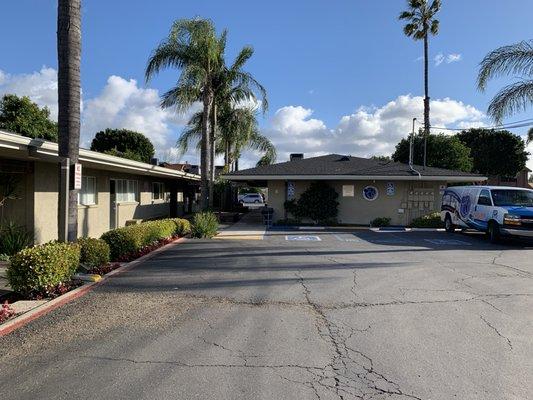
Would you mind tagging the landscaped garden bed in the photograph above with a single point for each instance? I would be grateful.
(47, 271)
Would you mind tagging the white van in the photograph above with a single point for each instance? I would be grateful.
(497, 210)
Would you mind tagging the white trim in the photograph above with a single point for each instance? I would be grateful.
(354, 178)
(44, 147)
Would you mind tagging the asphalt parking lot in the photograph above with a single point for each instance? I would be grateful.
(342, 315)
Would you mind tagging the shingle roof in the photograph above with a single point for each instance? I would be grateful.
(336, 164)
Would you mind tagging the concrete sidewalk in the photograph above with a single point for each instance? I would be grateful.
(250, 227)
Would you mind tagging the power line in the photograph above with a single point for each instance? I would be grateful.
(510, 125)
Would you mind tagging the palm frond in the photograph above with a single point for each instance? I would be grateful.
(511, 99)
(529, 138)
(189, 135)
(513, 59)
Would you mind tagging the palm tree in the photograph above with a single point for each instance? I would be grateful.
(421, 22)
(516, 59)
(192, 47)
(69, 92)
(232, 85)
(237, 131)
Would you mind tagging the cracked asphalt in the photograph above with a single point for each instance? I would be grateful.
(367, 315)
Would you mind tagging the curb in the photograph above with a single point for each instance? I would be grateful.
(43, 309)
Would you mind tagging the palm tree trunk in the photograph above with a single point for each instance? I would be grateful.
(213, 128)
(69, 95)
(426, 97)
(205, 152)
(226, 157)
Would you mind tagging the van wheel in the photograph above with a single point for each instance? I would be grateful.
(493, 232)
(448, 225)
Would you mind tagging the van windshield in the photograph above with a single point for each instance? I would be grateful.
(519, 198)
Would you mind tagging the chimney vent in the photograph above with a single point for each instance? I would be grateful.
(296, 156)
(154, 161)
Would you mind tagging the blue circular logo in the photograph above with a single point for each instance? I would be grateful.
(465, 206)
(370, 193)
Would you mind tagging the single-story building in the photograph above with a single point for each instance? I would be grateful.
(114, 190)
(367, 188)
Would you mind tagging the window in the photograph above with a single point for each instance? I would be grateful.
(158, 191)
(512, 198)
(88, 192)
(484, 198)
(126, 190)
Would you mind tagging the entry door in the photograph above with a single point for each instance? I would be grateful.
(112, 204)
(483, 209)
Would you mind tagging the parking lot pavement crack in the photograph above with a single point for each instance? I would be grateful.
(497, 332)
(234, 352)
(351, 371)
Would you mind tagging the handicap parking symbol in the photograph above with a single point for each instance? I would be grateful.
(303, 238)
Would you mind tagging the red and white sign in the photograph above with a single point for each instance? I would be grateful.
(77, 176)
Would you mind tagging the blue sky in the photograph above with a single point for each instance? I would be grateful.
(332, 68)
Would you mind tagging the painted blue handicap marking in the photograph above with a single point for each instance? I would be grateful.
(448, 242)
(303, 238)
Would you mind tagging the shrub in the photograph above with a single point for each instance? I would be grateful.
(183, 226)
(93, 252)
(204, 225)
(14, 238)
(380, 221)
(318, 203)
(42, 267)
(428, 221)
(131, 239)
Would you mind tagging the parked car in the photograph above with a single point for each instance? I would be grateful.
(496, 210)
(251, 198)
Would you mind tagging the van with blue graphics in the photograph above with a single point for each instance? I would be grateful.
(496, 210)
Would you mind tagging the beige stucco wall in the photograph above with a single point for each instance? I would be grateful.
(410, 200)
(19, 209)
(93, 220)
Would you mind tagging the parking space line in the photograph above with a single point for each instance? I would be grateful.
(303, 238)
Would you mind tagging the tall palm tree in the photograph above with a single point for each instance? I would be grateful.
(232, 85)
(421, 22)
(516, 59)
(192, 47)
(69, 92)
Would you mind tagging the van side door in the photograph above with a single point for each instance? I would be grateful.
(483, 209)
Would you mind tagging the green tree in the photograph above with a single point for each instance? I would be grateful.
(193, 47)
(237, 131)
(22, 116)
(516, 60)
(318, 203)
(421, 22)
(443, 151)
(69, 103)
(124, 143)
(495, 152)
(529, 138)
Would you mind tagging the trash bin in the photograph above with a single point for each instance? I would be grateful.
(267, 213)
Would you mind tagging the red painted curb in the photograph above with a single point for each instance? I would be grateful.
(37, 312)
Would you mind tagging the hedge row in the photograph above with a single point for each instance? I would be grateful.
(132, 238)
(41, 267)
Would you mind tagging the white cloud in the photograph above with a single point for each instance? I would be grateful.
(123, 104)
(439, 59)
(39, 86)
(366, 132)
(120, 104)
(454, 57)
(449, 58)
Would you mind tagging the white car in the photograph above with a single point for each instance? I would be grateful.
(251, 198)
(496, 210)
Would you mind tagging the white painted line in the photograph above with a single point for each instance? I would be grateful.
(312, 228)
(347, 239)
(448, 242)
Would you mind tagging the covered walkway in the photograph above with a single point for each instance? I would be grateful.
(249, 227)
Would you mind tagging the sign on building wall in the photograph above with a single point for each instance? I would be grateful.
(391, 189)
(348, 191)
(291, 191)
(77, 176)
